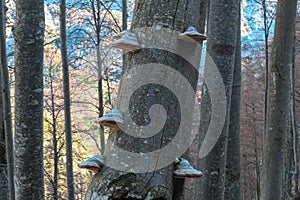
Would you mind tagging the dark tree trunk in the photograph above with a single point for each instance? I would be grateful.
(3, 166)
(109, 183)
(6, 105)
(4, 191)
(124, 14)
(67, 106)
(233, 166)
(222, 29)
(55, 144)
(266, 35)
(29, 38)
(278, 101)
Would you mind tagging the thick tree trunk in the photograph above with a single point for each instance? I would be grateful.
(29, 39)
(222, 29)
(233, 166)
(112, 184)
(67, 102)
(278, 101)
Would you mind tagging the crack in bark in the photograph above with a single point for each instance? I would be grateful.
(175, 13)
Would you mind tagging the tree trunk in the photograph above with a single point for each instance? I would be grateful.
(149, 184)
(278, 101)
(96, 9)
(55, 144)
(222, 29)
(5, 98)
(67, 106)
(100, 93)
(3, 165)
(4, 191)
(124, 14)
(288, 162)
(266, 35)
(233, 166)
(29, 39)
(294, 126)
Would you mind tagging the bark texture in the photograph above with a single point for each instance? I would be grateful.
(233, 165)
(278, 101)
(221, 42)
(67, 102)
(112, 184)
(29, 38)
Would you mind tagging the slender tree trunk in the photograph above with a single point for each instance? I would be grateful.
(233, 166)
(124, 14)
(96, 9)
(67, 106)
(294, 127)
(257, 165)
(4, 190)
(112, 184)
(100, 93)
(222, 29)
(5, 95)
(266, 34)
(3, 165)
(288, 165)
(55, 149)
(278, 101)
(29, 39)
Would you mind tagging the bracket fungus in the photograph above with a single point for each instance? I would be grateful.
(126, 40)
(112, 119)
(183, 169)
(94, 163)
(192, 33)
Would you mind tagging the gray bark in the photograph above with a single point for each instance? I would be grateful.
(67, 106)
(222, 28)
(29, 38)
(278, 101)
(112, 184)
(233, 166)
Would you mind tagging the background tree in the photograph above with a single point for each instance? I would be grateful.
(6, 105)
(278, 100)
(29, 38)
(233, 164)
(221, 43)
(67, 102)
